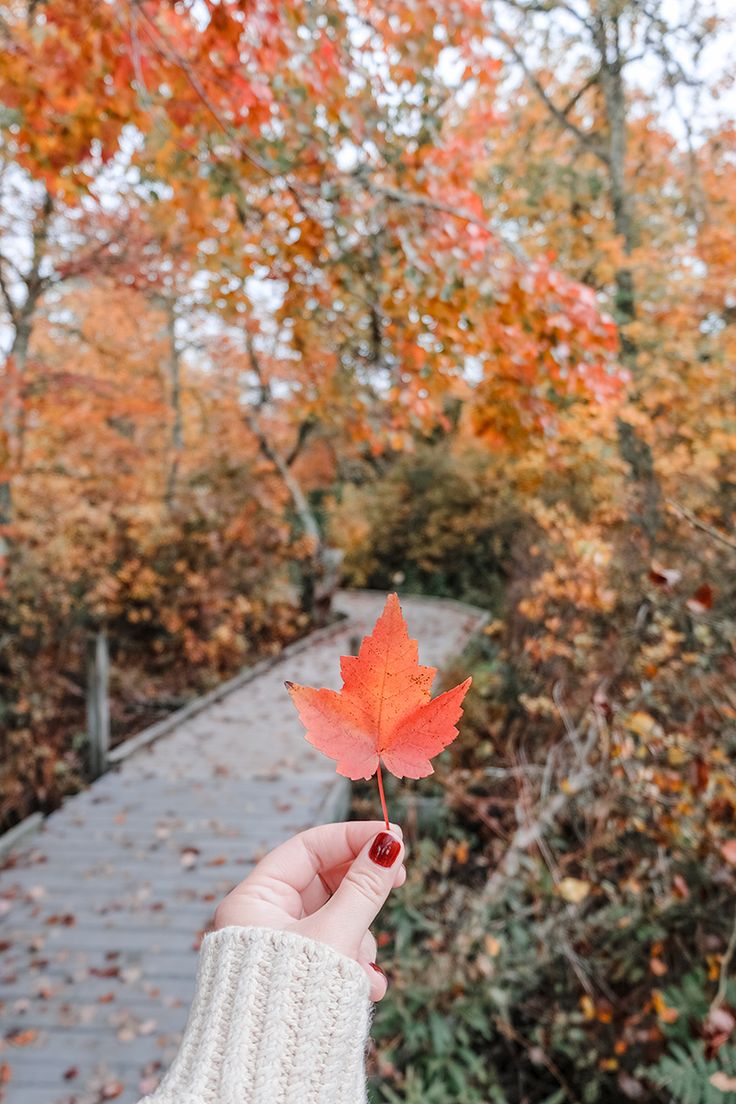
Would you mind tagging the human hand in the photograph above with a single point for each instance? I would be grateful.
(328, 883)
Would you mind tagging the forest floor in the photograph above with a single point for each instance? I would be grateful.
(102, 912)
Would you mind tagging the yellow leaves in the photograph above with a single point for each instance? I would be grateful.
(485, 961)
(462, 852)
(492, 945)
(580, 576)
(713, 962)
(494, 628)
(144, 585)
(541, 706)
(139, 616)
(163, 156)
(573, 890)
(707, 461)
(666, 1014)
(665, 648)
(223, 634)
(676, 756)
(644, 726)
(601, 1011)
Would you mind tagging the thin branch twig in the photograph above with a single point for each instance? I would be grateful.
(723, 972)
(412, 199)
(715, 534)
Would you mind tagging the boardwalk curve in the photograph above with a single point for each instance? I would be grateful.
(102, 911)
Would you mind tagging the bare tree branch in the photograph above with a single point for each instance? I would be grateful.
(263, 384)
(531, 832)
(416, 200)
(164, 47)
(715, 534)
(271, 453)
(585, 139)
(577, 96)
(538, 7)
(10, 306)
(305, 431)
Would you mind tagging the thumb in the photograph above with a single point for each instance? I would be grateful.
(361, 894)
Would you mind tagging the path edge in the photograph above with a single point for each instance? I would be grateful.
(161, 728)
(334, 801)
(336, 804)
(483, 616)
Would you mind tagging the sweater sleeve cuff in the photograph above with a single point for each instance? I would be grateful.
(276, 1017)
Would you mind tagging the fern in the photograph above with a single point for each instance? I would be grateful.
(692, 996)
(686, 1072)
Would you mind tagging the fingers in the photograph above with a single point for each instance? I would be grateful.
(367, 956)
(368, 948)
(300, 859)
(378, 982)
(326, 882)
(332, 880)
(358, 899)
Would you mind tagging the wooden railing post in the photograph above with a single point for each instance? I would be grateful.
(98, 703)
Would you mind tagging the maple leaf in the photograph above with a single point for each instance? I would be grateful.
(384, 712)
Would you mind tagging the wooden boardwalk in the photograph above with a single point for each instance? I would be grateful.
(101, 912)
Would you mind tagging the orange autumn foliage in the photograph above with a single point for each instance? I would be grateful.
(382, 713)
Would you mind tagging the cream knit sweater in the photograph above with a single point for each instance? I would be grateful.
(276, 1019)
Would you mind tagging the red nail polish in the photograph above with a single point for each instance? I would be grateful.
(377, 968)
(385, 849)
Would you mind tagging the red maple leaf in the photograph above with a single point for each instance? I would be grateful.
(383, 713)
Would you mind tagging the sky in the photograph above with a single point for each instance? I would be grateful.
(717, 59)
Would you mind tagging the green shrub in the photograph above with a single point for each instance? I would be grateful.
(437, 521)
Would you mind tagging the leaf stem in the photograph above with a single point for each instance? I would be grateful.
(383, 796)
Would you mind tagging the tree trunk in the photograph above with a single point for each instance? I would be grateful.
(607, 39)
(21, 317)
(177, 427)
(633, 449)
(12, 421)
(317, 564)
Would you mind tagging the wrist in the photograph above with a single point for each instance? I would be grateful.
(276, 1015)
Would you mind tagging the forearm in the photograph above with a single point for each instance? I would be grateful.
(276, 1018)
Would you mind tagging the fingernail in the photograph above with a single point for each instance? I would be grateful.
(377, 968)
(385, 850)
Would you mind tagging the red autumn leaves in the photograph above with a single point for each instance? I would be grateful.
(383, 713)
